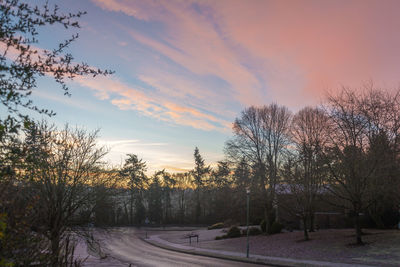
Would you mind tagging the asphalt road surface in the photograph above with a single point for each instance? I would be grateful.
(123, 245)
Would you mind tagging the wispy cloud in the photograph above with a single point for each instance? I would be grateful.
(151, 104)
(192, 41)
(273, 50)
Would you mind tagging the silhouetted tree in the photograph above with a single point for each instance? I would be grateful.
(221, 191)
(356, 150)
(155, 199)
(183, 183)
(62, 165)
(384, 210)
(261, 137)
(304, 171)
(105, 200)
(168, 183)
(134, 173)
(22, 62)
(241, 174)
(199, 175)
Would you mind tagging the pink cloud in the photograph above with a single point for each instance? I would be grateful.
(325, 43)
(157, 106)
(189, 90)
(192, 42)
(121, 6)
(290, 52)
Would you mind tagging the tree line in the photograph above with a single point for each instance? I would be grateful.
(54, 187)
(344, 152)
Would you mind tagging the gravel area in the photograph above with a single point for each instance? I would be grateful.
(382, 246)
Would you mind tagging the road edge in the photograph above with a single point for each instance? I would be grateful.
(219, 256)
(273, 261)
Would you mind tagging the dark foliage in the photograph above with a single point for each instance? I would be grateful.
(233, 232)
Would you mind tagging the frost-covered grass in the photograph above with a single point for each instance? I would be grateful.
(382, 247)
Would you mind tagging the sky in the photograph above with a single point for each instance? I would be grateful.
(184, 70)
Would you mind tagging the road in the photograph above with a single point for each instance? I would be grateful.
(124, 246)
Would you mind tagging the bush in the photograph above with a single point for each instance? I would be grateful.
(252, 231)
(216, 226)
(234, 231)
(275, 228)
(271, 218)
(219, 237)
(263, 226)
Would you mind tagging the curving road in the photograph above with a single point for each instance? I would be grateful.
(124, 245)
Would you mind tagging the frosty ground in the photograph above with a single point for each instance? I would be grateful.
(382, 247)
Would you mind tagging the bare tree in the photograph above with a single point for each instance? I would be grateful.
(304, 171)
(22, 62)
(62, 166)
(261, 137)
(355, 156)
(382, 109)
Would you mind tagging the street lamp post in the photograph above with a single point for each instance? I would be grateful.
(248, 204)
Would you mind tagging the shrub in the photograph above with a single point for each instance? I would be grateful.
(271, 218)
(276, 228)
(234, 231)
(216, 226)
(263, 226)
(219, 237)
(252, 231)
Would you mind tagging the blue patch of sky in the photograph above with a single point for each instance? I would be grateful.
(115, 123)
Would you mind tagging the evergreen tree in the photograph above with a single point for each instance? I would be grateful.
(199, 178)
(134, 173)
(155, 200)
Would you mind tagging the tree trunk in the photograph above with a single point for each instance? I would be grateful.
(311, 221)
(305, 228)
(198, 207)
(268, 217)
(182, 208)
(131, 209)
(55, 247)
(357, 226)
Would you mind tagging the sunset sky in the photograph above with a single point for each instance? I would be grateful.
(185, 69)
